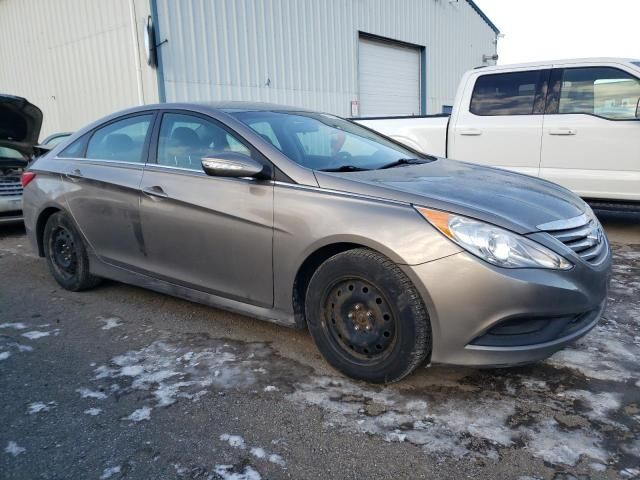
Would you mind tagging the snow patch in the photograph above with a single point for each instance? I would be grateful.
(109, 323)
(37, 407)
(87, 393)
(35, 334)
(93, 411)
(556, 446)
(14, 449)
(15, 325)
(236, 441)
(109, 472)
(258, 452)
(4, 355)
(140, 414)
(270, 388)
(277, 459)
(226, 472)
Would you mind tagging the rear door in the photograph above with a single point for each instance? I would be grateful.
(499, 120)
(212, 234)
(102, 172)
(591, 136)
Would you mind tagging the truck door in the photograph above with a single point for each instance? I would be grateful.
(591, 136)
(499, 120)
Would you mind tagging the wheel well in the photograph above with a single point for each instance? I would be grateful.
(42, 221)
(306, 271)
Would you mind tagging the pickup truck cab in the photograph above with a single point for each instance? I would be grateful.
(573, 122)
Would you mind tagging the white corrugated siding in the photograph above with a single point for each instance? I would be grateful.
(75, 59)
(304, 52)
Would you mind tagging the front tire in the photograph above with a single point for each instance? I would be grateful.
(66, 254)
(366, 317)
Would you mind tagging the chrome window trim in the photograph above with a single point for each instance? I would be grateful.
(100, 161)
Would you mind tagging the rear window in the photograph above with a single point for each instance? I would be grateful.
(506, 94)
(122, 140)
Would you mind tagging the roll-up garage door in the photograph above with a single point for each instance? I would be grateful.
(389, 76)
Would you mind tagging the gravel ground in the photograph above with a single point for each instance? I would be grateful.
(120, 382)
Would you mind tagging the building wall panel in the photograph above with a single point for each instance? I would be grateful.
(76, 59)
(305, 52)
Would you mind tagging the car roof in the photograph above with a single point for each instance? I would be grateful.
(228, 107)
(560, 61)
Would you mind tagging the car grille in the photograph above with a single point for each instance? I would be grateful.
(10, 187)
(583, 235)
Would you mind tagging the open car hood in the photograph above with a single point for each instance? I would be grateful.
(20, 123)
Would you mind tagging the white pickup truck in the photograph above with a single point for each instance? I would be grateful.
(574, 122)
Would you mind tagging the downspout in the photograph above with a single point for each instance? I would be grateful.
(136, 50)
(162, 95)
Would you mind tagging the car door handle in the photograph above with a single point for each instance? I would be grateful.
(74, 175)
(470, 132)
(562, 131)
(155, 191)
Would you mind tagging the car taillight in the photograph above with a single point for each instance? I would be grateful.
(26, 177)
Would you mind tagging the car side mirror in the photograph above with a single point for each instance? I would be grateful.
(232, 164)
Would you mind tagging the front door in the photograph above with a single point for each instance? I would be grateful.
(500, 122)
(208, 233)
(102, 173)
(591, 136)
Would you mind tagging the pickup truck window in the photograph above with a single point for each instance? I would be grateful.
(512, 93)
(602, 91)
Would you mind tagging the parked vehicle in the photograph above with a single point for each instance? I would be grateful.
(573, 122)
(389, 256)
(20, 123)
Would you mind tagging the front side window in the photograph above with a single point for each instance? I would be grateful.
(122, 140)
(322, 142)
(507, 94)
(184, 140)
(603, 91)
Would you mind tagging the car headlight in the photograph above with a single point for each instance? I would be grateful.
(493, 244)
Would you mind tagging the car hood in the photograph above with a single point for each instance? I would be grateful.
(20, 123)
(512, 200)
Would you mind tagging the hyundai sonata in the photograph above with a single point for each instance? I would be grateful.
(389, 257)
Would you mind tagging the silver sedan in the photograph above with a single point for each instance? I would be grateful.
(389, 257)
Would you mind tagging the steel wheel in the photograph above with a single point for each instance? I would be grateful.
(359, 320)
(63, 252)
(66, 254)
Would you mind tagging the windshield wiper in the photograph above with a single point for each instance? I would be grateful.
(344, 168)
(403, 161)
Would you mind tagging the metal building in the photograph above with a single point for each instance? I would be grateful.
(81, 59)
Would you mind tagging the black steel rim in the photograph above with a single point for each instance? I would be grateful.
(63, 252)
(359, 320)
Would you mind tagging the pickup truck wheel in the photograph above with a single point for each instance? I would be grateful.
(66, 254)
(366, 317)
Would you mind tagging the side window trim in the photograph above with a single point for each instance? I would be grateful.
(89, 135)
(557, 75)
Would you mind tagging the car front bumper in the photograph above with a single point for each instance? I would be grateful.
(10, 208)
(483, 315)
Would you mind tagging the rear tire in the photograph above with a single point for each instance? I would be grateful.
(66, 254)
(366, 317)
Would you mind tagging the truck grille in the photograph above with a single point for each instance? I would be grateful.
(10, 187)
(583, 235)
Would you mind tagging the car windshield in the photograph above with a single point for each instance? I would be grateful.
(325, 142)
